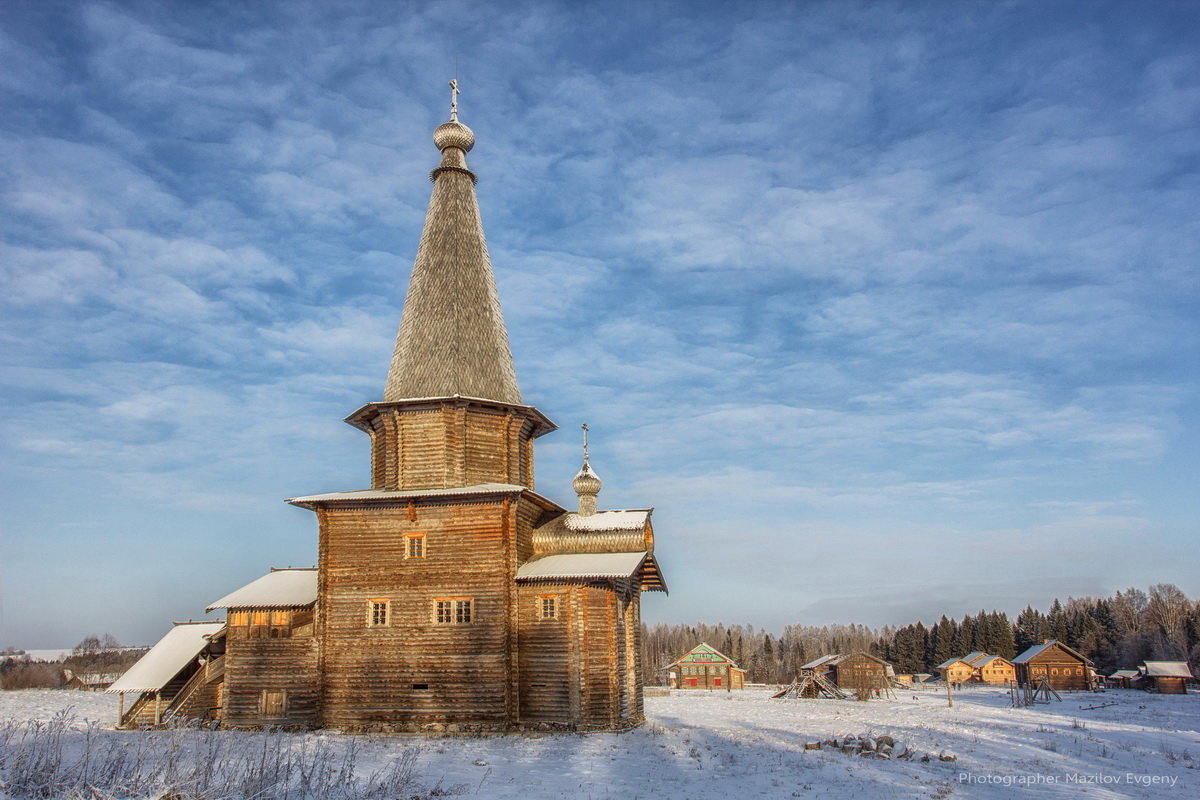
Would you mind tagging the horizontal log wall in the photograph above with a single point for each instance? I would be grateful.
(450, 444)
(1061, 673)
(254, 666)
(997, 673)
(412, 672)
(544, 661)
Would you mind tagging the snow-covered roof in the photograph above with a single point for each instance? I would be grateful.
(840, 658)
(1037, 650)
(1125, 673)
(173, 652)
(974, 656)
(404, 494)
(634, 519)
(989, 660)
(946, 664)
(582, 565)
(279, 588)
(1167, 669)
(816, 662)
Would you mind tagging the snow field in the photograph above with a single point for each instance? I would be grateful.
(720, 745)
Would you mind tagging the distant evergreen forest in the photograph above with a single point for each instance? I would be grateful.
(1116, 632)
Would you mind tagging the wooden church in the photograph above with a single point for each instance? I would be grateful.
(450, 595)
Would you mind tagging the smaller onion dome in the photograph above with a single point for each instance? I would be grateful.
(454, 134)
(587, 482)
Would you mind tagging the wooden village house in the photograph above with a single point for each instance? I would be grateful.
(704, 667)
(1167, 677)
(995, 670)
(450, 595)
(852, 672)
(955, 670)
(1123, 679)
(978, 667)
(1061, 666)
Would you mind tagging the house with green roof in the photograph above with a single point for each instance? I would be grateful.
(705, 667)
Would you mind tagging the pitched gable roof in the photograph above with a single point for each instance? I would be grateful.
(974, 656)
(948, 662)
(704, 653)
(1049, 644)
(1167, 669)
(991, 660)
(821, 661)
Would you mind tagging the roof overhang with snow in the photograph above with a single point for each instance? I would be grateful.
(594, 566)
(1167, 669)
(176, 650)
(577, 566)
(280, 588)
(312, 501)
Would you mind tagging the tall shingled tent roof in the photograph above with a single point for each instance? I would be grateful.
(452, 339)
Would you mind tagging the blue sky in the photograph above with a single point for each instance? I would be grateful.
(889, 309)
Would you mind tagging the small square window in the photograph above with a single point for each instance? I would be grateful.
(414, 546)
(378, 612)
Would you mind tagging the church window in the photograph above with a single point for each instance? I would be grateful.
(414, 546)
(454, 610)
(548, 606)
(378, 612)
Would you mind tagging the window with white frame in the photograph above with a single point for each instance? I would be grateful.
(379, 612)
(454, 610)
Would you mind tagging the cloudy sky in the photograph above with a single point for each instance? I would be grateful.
(889, 309)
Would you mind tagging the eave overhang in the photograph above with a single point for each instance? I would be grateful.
(362, 417)
(391, 496)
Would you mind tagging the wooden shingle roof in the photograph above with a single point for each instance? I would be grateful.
(452, 339)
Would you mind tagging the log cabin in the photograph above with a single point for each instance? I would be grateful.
(1062, 666)
(854, 672)
(450, 596)
(1123, 679)
(858, 672)
(705, 667)
(974, 657)
(1165, 677)
(956, 670)
(995, 670)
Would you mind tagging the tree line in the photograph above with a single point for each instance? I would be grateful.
(94, 654)
(1116, 632)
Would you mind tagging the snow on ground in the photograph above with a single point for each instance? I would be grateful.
(700, 745)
